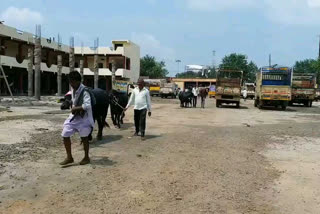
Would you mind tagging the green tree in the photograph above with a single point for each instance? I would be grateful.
(308, 66)
(305, 66)
(240, 62)
(150, 67)
(188, 74)
(213, 72)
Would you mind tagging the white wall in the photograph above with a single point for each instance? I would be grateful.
(132, 51)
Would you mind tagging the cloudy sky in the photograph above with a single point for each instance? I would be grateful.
(189, 30)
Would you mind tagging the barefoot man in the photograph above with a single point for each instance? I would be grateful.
(80, 120)
(140, 98)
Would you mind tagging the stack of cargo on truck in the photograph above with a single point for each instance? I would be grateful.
(303, 88)
(228, 88)
(273, 87)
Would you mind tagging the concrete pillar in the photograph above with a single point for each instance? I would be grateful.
(81, 69)
(30, 72)
(21, 84)
(59, 75)
(113, 73)
(96, 71)
(37, 68)
(71, 59)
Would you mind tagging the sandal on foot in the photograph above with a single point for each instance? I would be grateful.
(66, 161)
(85, 161)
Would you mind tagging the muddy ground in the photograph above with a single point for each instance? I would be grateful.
(211, 160)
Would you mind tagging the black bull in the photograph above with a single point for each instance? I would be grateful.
(99, 111)
(118, 102)
(185, 98)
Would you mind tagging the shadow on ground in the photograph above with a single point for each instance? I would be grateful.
(106, 140)
(102, 161)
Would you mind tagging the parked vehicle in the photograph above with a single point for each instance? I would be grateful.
(273, 87)
(212, 91)
(169, 90)
(228, 89)
(251, 88)
(317, 97)
(154, 86)
(303, 89)
(124, 86)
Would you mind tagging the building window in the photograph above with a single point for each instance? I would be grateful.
(128, 64)
(117, 45)
(76, 65)
(100, 65)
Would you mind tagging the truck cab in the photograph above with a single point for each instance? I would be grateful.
(273, 87)
(251, 88)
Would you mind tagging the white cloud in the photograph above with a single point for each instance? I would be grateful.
(314, 3)
(23, 18)
(300, 12)
(291, 12)
(150, 45)
(216, 5)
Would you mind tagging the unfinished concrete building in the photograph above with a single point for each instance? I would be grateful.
(124, 53)
(16, 56)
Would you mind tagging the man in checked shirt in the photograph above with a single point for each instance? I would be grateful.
(80, 119)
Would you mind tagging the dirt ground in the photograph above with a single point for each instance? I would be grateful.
(213, 160)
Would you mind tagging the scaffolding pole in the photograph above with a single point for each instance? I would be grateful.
(5, 79)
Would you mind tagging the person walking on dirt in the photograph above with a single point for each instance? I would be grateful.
(195, 92)
(80, 120)
(203, 95)
(245, 94)
(140, 98)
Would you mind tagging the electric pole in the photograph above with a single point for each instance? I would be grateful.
(269, 60)
(178, 61)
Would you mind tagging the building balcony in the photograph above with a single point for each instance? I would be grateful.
(101, 51)
(106, 72)
(12, 62)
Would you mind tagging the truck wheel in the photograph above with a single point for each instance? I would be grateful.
(283, 107)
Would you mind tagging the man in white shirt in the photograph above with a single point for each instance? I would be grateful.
(195, 92)
(245, 94)
(140, 98)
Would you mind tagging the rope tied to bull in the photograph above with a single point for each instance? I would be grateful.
(116, 102)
